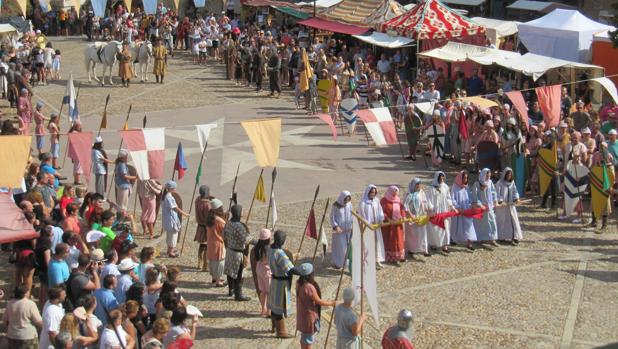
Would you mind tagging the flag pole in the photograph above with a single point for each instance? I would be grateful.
(119, 147)
(66, 149)
(362, 277)
(332, 314)
(253, 199)
(104, 114)
(137, 183)
(232, 195)
(315, 251)
(270, 200)
(197, 182)
(315, 197)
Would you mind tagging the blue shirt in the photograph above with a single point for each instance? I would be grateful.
(121, 171)
(105, 298)
(47, 168)
(56, 237)
(57, 272)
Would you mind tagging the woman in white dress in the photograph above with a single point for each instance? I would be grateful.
(371, 210)
(506, 210)
(416, 204)
(439, 196)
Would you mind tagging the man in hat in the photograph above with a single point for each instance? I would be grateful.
(126, 279)
(100, 162)
(349, 325)
(170, 213)
(399, 336)
(159, 53)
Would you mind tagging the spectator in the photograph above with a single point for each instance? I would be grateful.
(53, 312)
(127, 278)
(113, 335)
(58, 269)
(22, 320)
(110, 268)
(179, 329)
(84, 280)
(105, 298)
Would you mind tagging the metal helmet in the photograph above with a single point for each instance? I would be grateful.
(405, 319)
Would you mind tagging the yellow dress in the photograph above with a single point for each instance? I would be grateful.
(159, 54)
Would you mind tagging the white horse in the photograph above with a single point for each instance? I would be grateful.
(101, 52)
(142, 53)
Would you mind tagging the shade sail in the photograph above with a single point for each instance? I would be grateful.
(319, 3)
(332, 26)
(464, 2)
(537, 6)
(431, 19)
(384, 40)
(7, 28)
(352, 11)
(292, 12)
(13, 224)
(529, 64)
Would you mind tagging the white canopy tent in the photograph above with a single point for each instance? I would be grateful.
(563, 34)
(472, 3)
(529, 64)
(496, 29)
(385, 40)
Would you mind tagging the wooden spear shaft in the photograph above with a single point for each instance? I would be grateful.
(118, 153)
(253, 199)
(315, 197)
(317, 243)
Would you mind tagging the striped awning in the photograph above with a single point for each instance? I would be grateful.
(352, 11)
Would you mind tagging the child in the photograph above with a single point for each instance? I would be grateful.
(196, 51)
(80, 193)
(297, 92)
(56, 66)
(54, 137)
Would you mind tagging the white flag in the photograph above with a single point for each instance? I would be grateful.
(274, 209)
(203, 133)
(368, 259)
(323, 240)
(70, 98)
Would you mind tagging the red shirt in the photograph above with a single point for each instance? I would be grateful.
(306, 309)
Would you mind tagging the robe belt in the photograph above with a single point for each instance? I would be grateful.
(280, 278)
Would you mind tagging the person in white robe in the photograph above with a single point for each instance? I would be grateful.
(371, 210)
(439, 197)
(506, 210)
(416, 205)
(462, 229)
(484, 194)
(341, 220)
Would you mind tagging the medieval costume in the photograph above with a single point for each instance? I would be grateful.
(202, 206)
(148, 190)
(462, 227)
(280, 295)
(260, 269)
(399, 336)
(416, 204)
(215, 251)
(236, 238)
(341, 220)
(159, 53)
(484, 193)
(439, 197)
(371, 210)
(506, 214)
(393, 234)
(125, 65)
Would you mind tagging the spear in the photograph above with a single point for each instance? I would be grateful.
(104, 118)
(317, 243)
(126, 121)
(66, 150)
(253, 199)
(270, 201)
(315, 197)
(136, 194)
(233, 197)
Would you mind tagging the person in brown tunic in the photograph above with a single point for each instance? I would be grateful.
(125, 65)
(202, 206)
(216, 248)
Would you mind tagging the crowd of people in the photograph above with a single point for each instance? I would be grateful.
(96, 290)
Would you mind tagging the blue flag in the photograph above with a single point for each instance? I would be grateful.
(180, 164)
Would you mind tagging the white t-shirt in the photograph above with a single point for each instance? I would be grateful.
(95, 323)
(109, 340)
(52, 315)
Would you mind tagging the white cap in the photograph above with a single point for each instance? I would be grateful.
(586, 130)
(612, 132)
(94, 235)
(563, 124)
(98, 139)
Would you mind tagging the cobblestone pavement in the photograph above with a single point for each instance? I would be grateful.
(557, 289)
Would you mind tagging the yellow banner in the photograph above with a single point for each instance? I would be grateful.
(22, 6)
(305, 74)
(547, 161)
(600, 198)
(265, 136)
(484, 103)
(128, 5)
(259, 190)
(14, 154)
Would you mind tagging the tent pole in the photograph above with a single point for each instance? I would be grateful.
(418, 43)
